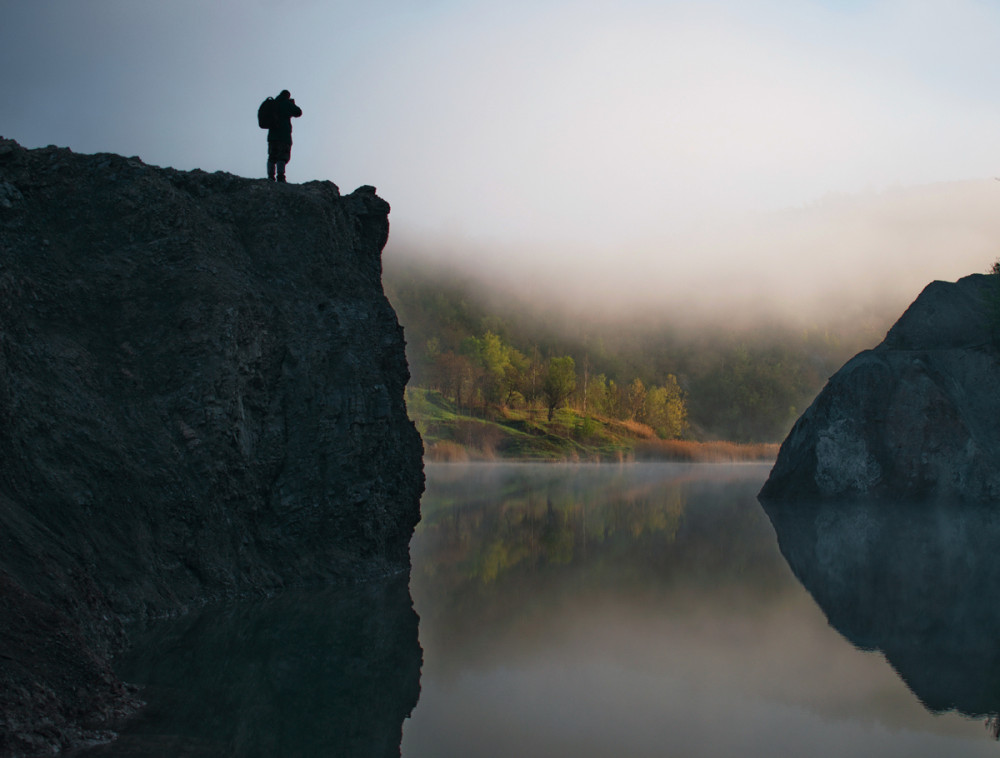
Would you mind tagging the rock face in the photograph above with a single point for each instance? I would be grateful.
(201, 395)
(914, 418)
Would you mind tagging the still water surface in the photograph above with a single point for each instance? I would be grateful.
(604, 610)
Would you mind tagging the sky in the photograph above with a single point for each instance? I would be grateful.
(770, 155)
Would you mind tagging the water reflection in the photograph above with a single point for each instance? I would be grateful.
(594, 610)
(917, 582)
(636, 610)
(483, 522)
(500, 545)
(331, 672)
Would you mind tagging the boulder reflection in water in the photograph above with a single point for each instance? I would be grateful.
(916, 581)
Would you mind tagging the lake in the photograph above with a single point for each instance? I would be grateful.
(605, 610)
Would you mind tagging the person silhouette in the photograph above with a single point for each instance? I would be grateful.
(279, 136)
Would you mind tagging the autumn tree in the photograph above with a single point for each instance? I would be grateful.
(615, 404)
(597, 395)
(634, 405)
(559, 382)
(665, 410)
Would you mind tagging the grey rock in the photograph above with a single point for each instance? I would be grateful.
(201, 396)
(9, 194)
(915, 417)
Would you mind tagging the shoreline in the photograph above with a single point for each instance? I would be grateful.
(644, 451)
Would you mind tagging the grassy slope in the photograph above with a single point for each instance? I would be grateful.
(527, 435)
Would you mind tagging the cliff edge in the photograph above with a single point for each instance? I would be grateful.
(915, 417)
(201, 396)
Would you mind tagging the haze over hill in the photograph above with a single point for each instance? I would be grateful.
(847, 261)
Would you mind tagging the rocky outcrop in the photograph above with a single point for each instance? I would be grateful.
(201, 395)
(914, 418)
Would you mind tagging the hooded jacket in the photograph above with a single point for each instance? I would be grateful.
(287, 110)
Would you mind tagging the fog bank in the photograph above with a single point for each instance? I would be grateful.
(842, 257)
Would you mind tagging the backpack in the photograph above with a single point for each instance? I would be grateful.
(267, 114)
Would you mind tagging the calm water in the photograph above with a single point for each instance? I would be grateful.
(585, 610)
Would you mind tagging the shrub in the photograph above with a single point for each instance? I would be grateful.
(993, 302)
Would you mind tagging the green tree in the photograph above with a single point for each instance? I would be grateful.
(559, 382)
(754, 394)
(532, 379)
(515, 376)
(665, 409)
(500, 368)
(597, 395)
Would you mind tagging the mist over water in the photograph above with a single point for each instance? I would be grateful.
(639, 610)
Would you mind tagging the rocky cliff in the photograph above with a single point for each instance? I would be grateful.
(914, 418)
(201, 395)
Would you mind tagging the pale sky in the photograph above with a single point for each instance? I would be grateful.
(623, 142)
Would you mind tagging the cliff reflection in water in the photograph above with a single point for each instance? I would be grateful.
(308, 673)
(918, 582)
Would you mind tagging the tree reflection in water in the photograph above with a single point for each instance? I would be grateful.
(498, 544)
(474, 528)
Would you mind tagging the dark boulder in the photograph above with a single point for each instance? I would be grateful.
(914, 418)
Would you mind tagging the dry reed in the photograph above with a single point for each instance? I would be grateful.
(446, 452)
(704, 452)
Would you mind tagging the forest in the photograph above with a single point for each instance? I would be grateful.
(495, 355)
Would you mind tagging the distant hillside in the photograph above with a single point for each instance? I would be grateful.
(736, 383)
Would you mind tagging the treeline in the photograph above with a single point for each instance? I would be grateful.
(487, 351)
(487, 373)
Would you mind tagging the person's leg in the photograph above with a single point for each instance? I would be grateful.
(271, 162)
(282, 155)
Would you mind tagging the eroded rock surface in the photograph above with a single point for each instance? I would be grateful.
(914, 418)
(201, 395)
